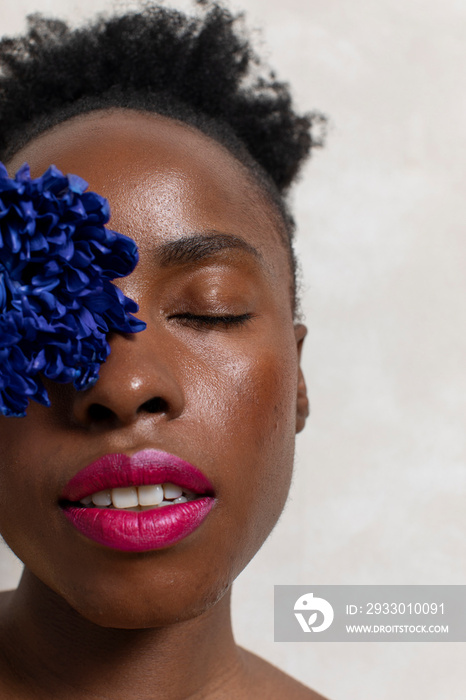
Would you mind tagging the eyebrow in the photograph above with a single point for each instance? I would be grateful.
(197, 247)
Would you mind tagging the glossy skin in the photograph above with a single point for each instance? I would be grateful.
(227, 396)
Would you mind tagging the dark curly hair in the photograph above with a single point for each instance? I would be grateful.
(201, 70)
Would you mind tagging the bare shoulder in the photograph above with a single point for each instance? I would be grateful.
(269, 683)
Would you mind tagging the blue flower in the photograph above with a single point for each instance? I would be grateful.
(57, 300)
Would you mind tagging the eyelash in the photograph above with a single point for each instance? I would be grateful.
(207, 322)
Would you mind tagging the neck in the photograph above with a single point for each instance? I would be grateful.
(57, 653)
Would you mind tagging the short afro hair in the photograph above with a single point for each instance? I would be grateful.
(199, 69)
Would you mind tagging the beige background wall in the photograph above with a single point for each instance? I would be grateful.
(380, 486)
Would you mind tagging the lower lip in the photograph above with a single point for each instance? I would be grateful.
(140, 531)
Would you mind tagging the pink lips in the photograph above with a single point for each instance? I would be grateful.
(143, 530)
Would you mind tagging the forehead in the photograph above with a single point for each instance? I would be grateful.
(162, 178)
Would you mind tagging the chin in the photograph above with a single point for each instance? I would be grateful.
(151, 604)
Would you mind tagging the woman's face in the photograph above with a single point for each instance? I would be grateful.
(229, 395)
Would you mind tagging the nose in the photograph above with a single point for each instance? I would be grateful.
(137, 379)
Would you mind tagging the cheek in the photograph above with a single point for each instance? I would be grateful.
(248, 422)
(266, 415)
(30, 458)
(249, 398)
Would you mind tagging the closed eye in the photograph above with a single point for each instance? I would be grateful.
(207, 322)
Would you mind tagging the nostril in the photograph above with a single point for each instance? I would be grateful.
(99, 414)
(155, 405)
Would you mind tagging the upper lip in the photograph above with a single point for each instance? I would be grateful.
(145, 467)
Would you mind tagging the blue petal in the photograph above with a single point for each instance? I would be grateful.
(57, 302)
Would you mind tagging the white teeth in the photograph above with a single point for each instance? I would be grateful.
(150, 495)
(102, 498)
(125, 498)
(140, 497)
(171, 491)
